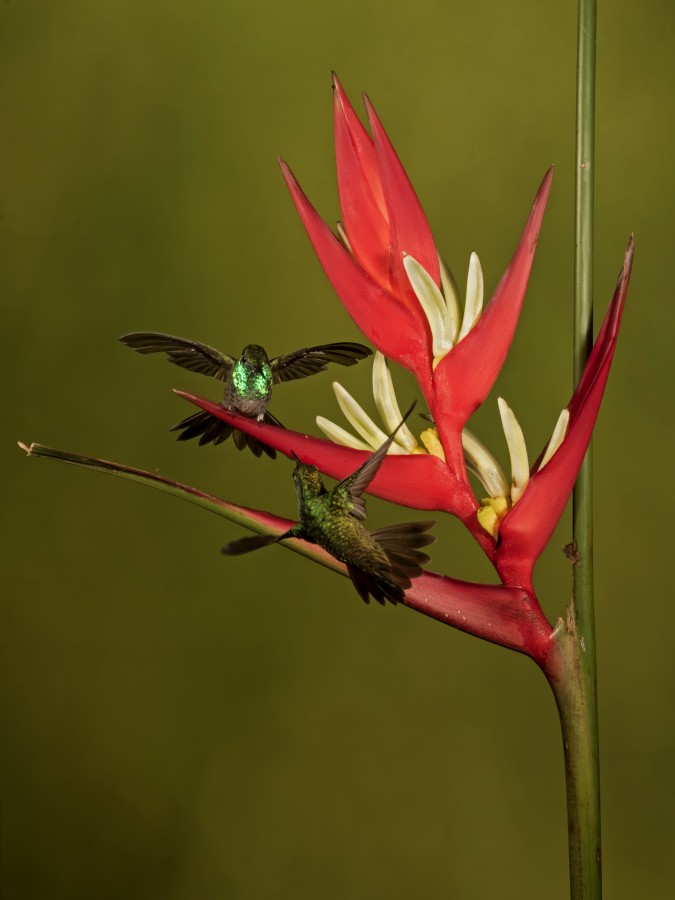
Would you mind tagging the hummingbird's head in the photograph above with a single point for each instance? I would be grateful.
(307, 480)
(253, 356)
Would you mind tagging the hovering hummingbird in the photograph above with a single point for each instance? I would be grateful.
(380, 563)
(248, 380)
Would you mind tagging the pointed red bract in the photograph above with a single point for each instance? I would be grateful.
(364, 211)
(420, 480)
(397, 331)
(527, 527)
(409, 228)
(465, 376)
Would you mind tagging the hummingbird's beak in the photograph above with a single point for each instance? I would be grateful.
(295, 456)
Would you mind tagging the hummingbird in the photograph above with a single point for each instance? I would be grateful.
(248, 380)
(380, 563)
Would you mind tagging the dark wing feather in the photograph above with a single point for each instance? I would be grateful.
(188, 354)
(401, 543)
(311, 360)
(356, 483)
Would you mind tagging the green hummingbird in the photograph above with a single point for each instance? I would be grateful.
(380, 563)
(248, 380)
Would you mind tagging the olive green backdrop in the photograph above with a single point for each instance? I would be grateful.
(181, 726)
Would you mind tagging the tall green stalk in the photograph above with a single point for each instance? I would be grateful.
(573, 673)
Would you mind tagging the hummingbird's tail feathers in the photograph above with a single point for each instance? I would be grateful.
(212, 430)
(209, 429)
(379, 586)
(250, 543)
(243, 440)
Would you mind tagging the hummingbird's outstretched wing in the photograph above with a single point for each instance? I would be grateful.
(212, 430)
(189, 354)
(355, 484)
(401, 543)
(310, 360)
(253, 542)
(388, 577)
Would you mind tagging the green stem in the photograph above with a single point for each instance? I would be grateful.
(574, 677)
(575, 697)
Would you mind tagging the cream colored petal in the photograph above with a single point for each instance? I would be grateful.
(339, 436)
(484, 466)
(473, 305)
(433, 304)
(359, 419)
(452, 299)
(387, 405)
(515, 440)
(557, 437)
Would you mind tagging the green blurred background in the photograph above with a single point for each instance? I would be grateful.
(185, 727)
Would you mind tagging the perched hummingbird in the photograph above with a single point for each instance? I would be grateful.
(380, 563)
(248, 380)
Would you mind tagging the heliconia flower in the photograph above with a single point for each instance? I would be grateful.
(388, 274)
(528, 525)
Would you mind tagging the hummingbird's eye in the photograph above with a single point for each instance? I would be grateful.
(243, 359)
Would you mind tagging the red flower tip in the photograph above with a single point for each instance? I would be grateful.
(362, 202)
(409, 228)
(385, 319)
(464, 377)
(527, 527)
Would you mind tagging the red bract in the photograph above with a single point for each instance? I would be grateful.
(505, 615)
(465, 376)
(372, 181)
(527, 527)
(397, 330)
(420, 481)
